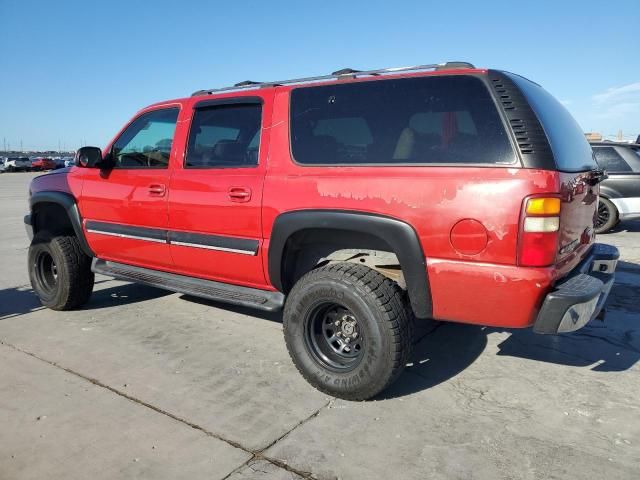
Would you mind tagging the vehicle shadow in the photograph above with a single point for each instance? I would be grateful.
(16, 301)
(609, 346)
(442, 350)
(251, 312)
(623, 226)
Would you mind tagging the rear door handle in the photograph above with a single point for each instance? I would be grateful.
(239, 194)
(157, 190)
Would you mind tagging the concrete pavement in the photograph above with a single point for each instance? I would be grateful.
(146, 384)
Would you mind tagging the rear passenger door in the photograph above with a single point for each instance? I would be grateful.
(215, 222)
(623, 166)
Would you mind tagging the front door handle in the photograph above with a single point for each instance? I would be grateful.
(239, 194)
(157, 190)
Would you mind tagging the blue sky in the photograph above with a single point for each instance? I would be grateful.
(75, 71)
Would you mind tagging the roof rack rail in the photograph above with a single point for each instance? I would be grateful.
(247, 84)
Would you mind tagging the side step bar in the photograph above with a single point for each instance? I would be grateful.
(222, 292)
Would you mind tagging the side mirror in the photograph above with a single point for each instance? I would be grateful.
(89, 157)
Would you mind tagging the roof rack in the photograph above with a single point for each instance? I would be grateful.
(345, 72)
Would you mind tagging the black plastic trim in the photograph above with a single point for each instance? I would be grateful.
(247, 246)
(400, 236)
(531, 140)
(67, 202)
(242, 245)
(223, 292)
(127, 230)
(220, 102)
(579, 286)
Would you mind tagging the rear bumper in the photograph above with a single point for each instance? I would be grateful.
(580, 296)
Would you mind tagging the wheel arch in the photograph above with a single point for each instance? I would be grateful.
(608, 192)
(399, 236)
(46, 206)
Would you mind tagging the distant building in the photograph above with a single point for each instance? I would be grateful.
(593, 136)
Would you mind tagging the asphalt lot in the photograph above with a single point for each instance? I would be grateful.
(146, 384)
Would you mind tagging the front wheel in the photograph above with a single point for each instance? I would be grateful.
(60, 272)
(348, 330)
(607, 215)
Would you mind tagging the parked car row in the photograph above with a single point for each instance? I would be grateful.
(26, 164)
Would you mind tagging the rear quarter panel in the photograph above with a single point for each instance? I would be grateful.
(431, 199)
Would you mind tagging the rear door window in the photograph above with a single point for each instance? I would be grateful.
(610, 160)
(423, 120)
(224, 136)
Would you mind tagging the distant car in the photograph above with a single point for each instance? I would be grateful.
(69, 161)
(42, 163)
(17, 164)
(2, 167)
(620, 193)
(59, 161)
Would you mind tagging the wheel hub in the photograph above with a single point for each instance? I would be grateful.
(334, 337)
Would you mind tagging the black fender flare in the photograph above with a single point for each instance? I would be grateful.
(399, 235)
(68, 202)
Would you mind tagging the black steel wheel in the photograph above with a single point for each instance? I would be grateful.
(46, 272)
(348, 330)
(60, 272)
(334, 337)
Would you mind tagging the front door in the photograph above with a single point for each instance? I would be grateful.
(124, 208)
(215, 224)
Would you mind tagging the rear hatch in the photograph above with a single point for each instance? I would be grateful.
(577, 171)
(579, 202)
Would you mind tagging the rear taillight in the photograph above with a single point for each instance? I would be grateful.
(540, 223)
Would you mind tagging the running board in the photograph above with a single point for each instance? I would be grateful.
(222, 292)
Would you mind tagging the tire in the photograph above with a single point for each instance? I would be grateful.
(607, 215)
(364, 303)
(60, 272)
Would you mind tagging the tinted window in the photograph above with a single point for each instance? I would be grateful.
(610, 160)
(444, 119)
(570, 147)
(146, 142)
(225, 136)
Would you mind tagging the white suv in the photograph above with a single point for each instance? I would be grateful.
(15, 164)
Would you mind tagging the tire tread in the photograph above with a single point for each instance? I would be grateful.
(390, 300)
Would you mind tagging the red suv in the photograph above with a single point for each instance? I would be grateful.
(43, 163)
(360, 202)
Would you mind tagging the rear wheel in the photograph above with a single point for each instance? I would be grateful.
(60, 272)
(348, 330)
(607, 215)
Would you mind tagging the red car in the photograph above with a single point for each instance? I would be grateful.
(43, 163)
(360, 202)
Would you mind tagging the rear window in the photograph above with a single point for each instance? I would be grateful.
(571, 150)
(610, 160)
(426, 120)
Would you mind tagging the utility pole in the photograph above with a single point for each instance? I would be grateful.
(21, 149)
(4, 144)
